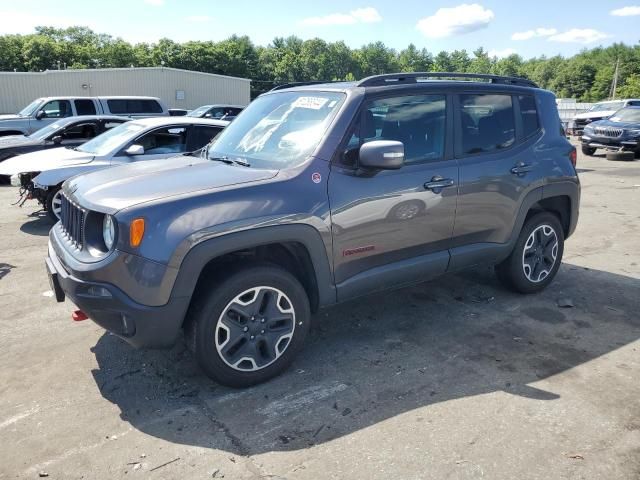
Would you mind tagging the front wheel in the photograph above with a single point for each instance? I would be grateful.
(53, 203)
(589, 151)
(249, 326)
(536, 257)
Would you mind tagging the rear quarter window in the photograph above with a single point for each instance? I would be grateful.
(529, 114)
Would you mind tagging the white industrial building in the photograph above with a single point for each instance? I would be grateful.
(177, 88)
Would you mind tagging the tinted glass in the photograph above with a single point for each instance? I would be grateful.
(80, 131)
(133, 106)
(57, 109)
(487, 123)
(164, 141)
(199, 136)
(416, 121)
(109, 124)
(85, 107)
(529, 114)
(112, 139)
(117, 106)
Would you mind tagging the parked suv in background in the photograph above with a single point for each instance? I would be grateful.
(619, 133)
(599, 111)
(279, 220)
(44, 111)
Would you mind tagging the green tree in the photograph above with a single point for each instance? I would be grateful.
(631, 87)
(413, 60)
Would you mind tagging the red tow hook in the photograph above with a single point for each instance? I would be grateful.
(79, 316)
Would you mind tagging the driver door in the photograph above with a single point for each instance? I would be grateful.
(53, 111)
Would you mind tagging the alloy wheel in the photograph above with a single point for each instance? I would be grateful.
(255, 328)
(540, 253)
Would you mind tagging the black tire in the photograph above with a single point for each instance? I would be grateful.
(203, 334)
(51, 193)
(512, 271)
(621, 156)
(589, 151)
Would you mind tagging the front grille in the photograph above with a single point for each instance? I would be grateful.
(607, 131)
(72, 221)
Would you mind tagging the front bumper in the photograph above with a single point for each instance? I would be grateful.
(108, 306)
(593, 141)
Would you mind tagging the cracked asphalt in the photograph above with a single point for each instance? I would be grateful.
(457, 378)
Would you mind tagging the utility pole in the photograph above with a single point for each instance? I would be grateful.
(614, 85)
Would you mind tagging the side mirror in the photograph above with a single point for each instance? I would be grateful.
(57, 139)
(40, 115)
(208, 115)
(135, 150)
(382, 155)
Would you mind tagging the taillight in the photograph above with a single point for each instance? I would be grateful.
(573, 156)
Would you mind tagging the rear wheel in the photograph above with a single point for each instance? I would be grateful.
(249, 327)
(589, 151)
(536, 257)
(53, 203)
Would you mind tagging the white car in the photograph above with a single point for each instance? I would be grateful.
(41, 174)
(598, 111)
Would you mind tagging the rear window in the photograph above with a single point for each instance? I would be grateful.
(529, 114)
(133, 106)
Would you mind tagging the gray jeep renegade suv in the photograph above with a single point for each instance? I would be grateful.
(315, 195)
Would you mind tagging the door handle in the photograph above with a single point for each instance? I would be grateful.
(521, 168)
(437, 183)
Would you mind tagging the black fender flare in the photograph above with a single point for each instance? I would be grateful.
(202, 253)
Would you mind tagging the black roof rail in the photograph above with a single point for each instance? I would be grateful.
(300, 84)
(398, 78)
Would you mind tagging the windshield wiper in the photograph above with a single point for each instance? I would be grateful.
(229, 161)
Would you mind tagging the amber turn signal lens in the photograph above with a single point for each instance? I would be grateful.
(136, 232)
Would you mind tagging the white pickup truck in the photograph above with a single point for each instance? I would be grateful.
(44, 111)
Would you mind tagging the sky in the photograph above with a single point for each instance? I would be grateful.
(529, 28)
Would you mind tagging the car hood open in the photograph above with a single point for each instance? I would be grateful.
(114, 189)
(44, 160)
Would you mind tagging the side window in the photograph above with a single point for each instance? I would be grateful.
(150, 106)
(80, 131)
(215, 113)
(57, 109)
(85, 107)
(118, 106)
(488, 123)
(164, 141)
(529, 114)
(633, 104)
(199, 136)
(418, 121)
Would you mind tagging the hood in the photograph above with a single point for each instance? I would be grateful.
(599, 114)
(114, 189)
(17, 141)
(10, 117)
(611, 123)
(44, 160)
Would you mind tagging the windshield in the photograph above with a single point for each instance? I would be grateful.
(44, 132)
(278, 130)
(601, 107)
(627, 115)
(30, 109)
(198, 112)
(111, 139)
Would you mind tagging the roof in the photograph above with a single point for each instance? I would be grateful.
(621, 100)
(86, 70)
(103, 97)
(161, 121)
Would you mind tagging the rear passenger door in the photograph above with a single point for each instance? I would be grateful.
(394, 226)
(495, 142)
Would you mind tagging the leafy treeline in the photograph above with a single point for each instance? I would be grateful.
(586, 76)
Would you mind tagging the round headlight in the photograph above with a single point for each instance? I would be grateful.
(108, 231)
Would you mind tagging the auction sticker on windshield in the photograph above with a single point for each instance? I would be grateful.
(315, 103)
